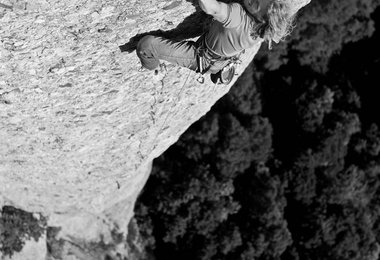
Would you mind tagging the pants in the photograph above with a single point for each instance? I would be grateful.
(152, 49)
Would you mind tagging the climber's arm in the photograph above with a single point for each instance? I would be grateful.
(218, 10)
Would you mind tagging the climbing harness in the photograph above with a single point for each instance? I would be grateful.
(206, 56)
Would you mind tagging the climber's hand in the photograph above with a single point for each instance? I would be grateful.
(215, 8)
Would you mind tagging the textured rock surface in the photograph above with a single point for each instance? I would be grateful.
(79, 125)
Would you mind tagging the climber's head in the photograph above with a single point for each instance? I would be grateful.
(257, 7)
(275, 18)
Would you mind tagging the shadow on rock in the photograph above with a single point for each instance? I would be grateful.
(190, 27)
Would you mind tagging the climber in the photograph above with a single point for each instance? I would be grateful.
(233, 29)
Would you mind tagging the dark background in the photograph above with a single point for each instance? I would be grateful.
(286, 166)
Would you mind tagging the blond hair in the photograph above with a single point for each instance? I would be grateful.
(278, 23)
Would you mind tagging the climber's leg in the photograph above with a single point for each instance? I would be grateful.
(151, 49)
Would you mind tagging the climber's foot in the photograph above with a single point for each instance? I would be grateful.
(142, 69)
(161, 69)
(160, 72)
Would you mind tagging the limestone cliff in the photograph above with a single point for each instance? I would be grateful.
(79, 124)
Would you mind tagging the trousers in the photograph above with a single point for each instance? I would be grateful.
(151, 49)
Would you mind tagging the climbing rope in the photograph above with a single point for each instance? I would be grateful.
(171, 107)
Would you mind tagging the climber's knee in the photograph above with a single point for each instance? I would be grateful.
(145, 43)
(146, 52)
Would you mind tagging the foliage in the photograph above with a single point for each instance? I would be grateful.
(16, 226)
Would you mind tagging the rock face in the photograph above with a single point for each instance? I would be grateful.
(79, 124)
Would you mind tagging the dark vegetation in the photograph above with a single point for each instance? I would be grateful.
(286, 166)
(16, 226)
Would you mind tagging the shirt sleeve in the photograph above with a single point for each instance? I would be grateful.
(235, 14)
